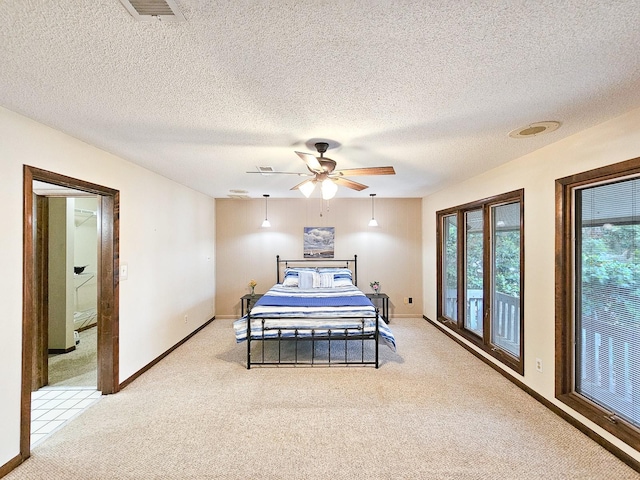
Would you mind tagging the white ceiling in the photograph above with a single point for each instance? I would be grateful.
(430, 87)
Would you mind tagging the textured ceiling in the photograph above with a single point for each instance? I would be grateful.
(430, 87)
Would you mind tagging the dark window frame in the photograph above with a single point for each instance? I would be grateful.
(484, 342)
(565, 297)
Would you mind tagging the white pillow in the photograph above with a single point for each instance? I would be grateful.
(326, 280)
(306, 279)
(290, 281)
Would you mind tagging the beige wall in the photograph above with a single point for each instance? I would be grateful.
(608, 143)
(61, 247)
(390, 253)
(166, 237)
(85, 253)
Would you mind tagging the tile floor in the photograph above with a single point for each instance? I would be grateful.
(52, 407)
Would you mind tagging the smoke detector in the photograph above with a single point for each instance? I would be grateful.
(534, 129)
(154, 10)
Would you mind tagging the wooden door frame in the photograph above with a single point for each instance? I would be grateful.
(40, 324)
(108, 298)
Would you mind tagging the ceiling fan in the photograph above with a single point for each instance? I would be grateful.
(323, 171)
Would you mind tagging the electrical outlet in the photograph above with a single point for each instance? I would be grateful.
(186, 318)
(410, 300)
(406, 300)
(539, 365)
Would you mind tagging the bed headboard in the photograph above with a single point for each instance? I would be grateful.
(351, 264)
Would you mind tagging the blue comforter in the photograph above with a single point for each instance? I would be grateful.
(290, 311)
(299, 301)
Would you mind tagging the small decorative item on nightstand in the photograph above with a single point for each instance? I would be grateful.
(375, 286)
(252, 286)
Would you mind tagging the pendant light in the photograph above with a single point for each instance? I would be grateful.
(372, 222)
(266, 222)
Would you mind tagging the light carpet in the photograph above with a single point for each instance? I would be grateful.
(431, 411)
(79, 367)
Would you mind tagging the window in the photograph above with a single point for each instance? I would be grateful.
(506, 276)
(480, 274)
(450, 266)
(598, 319)
(473, 271)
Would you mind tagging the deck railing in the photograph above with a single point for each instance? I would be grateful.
(607, 375)
(506, 316)
(506, 320)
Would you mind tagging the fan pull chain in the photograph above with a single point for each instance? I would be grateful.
(322, 206)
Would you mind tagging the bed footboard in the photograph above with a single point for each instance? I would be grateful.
(355, 345)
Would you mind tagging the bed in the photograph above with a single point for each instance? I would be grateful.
(315, 316)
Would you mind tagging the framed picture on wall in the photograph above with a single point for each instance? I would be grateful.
(319, 242)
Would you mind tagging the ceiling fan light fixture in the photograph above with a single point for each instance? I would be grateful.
(329, 189)
(323, 170)
(307, 188)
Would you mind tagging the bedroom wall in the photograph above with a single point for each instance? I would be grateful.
(60, 274)
(389, 253)
(611, 142)
(85, 253)
(166, 237)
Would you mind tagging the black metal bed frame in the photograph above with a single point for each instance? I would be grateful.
(304, 262)
(340, 335)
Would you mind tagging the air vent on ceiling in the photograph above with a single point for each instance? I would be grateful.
(266, 169)
(238, 193)
(154, 10)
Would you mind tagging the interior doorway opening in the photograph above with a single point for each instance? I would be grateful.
(36, 284)
(67, 245)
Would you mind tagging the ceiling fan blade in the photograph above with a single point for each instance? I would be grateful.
(311, 161)
(344, 182)
(284, 173)
(366, 171)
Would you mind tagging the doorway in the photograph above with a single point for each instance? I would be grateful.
(35, 295)
(66, 241)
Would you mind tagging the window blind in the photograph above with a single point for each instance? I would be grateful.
(607, 297)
